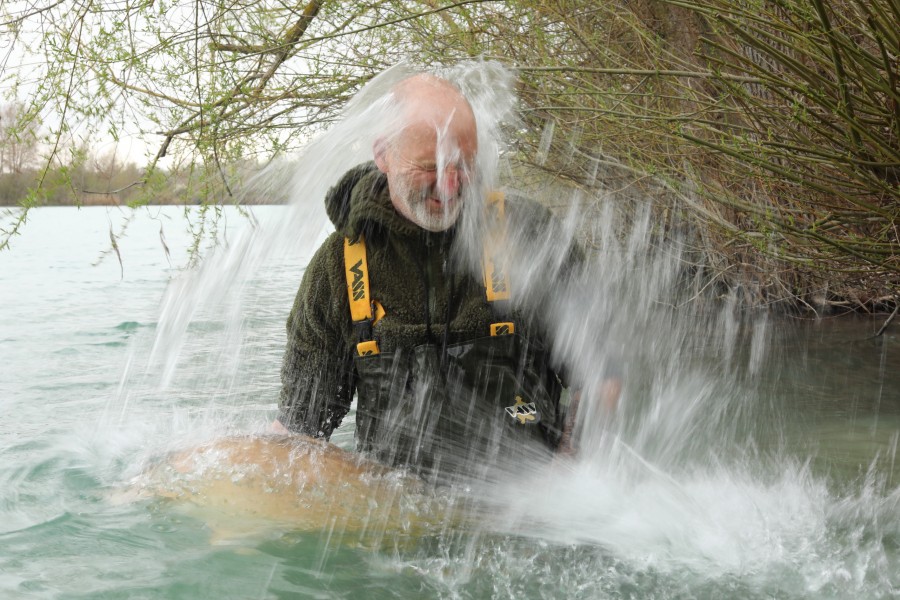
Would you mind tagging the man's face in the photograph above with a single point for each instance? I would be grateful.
(427, 166)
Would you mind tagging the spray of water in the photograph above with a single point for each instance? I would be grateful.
(681, 475)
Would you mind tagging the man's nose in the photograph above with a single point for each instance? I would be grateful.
(449, 181)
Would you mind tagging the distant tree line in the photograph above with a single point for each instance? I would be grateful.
(81, 177)
(767, 131)
(85, 179)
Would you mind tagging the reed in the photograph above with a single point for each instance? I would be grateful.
(772, 126)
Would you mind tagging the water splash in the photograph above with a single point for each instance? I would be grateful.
(689, 474)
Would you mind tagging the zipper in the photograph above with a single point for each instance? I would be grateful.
(433, 274)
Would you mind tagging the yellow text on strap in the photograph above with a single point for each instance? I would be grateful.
(357, 271)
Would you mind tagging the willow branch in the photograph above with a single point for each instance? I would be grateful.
(21, 18)
(641, 72)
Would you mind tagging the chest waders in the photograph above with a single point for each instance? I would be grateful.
(451, 409)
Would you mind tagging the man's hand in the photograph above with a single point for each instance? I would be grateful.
(607, 397)
(280, 429)
(609, 393)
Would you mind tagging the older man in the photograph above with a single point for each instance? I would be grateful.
(448, 378)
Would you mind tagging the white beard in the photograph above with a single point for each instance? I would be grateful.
(412, 205)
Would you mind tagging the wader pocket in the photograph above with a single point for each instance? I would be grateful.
(480, 398)
(516, 390)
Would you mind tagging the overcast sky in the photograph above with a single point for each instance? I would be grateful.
(18, 64)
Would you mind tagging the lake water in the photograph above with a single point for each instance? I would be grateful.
(775, 479)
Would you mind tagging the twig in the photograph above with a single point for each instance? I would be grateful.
(112, 192)
(888, 322)
(641, 72)
(21, 18)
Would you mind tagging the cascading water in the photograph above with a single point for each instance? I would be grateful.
(699, 484)
(689, 475)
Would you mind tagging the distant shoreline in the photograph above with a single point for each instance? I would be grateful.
(125, 205)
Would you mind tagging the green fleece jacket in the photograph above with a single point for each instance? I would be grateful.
(411, 273)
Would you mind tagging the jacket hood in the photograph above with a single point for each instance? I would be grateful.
(361, 200)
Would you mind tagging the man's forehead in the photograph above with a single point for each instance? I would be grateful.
(441, 115)
(433, 117)
(423, 139)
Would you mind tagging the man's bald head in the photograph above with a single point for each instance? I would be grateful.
(431, 154)
(434, 102)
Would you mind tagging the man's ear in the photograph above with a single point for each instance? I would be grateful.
(380, 150)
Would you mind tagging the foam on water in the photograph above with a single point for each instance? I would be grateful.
(716, 521)
(691, 474)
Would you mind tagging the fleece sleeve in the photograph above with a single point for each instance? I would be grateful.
(317, 372)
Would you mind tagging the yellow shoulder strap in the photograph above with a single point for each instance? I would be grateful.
(496, 275)
(357, 272)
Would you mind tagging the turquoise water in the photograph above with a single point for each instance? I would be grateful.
(773, 480)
